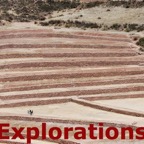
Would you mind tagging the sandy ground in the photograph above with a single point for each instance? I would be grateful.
(78, 112)
(127, 104)
(115, 15)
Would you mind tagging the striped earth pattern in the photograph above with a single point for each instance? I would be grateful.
(70, 78)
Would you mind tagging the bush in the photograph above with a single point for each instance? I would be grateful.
(93, 4)
(69, 23)
(116, 26)
(140, 28)
(141, 42)
(132, 26)
(42, 18)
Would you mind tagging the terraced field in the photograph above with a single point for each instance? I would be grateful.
(69, 79)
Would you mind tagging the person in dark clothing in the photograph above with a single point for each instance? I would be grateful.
(30, 112)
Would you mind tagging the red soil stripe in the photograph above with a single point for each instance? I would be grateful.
(60, 46)
(71, 60)
(100, 71)
(58, 35)
(65, 44)
(73, 93)
(35, 103)
(80, 74)
(122, 54)
(2, 32)
(76, 71)
(114, 35)
(55, 82)
(112, 97)
(74, 84)
(38, 52)
(109, 109)
(61, 50)
(69, 64)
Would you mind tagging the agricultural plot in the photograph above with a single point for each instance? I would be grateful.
(70, 78)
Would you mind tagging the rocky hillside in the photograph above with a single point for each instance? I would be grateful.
(27, 10)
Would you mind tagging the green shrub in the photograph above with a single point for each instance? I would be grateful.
(132, 27)
(116, 26)
(69, 23)
(93, 4)
(141, 42)
(140, 28)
